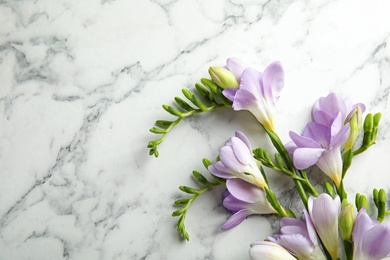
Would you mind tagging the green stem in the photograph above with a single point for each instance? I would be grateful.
(341, 191)
(348, 249)
(286, 157)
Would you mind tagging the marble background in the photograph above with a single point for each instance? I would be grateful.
(81, 82)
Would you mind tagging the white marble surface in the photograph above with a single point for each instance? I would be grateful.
(81, 82)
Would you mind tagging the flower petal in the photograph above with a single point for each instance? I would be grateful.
(318, 133)
(233, 204)
(251, 81)
(305, 157)
(230, 93)
(265, 250)
(243, 138)
(229, 159)
(243, 100)
(218, 168)
(236, 66)
(303, 141)
(297, 244)
(236, 219)
(324, 212)
(376, 242)
(273, 80)
(244, 191)
(241, 151)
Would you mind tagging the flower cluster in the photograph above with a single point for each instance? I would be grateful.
(329, 143)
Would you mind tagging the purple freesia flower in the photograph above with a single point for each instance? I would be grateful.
(244, 199)
(299, 238)
(236, 161)
(258, 91)
(326, 109)
(320, 145)
(265, 250)
(370, 238)
(324, 212)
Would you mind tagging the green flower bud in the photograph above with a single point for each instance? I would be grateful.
(355, 123)
(223, 77)
(346, 219)
(361, 202)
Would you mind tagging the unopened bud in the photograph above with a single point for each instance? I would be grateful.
(361, 202)
(346, 219)
(223, 77)
(355, 122)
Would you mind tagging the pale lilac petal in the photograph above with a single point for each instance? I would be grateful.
(273, 80)
(321, 117)
(376, 242)
(305, 157)
(218, 169)
(297, 244)
(229, 159)
(363, 223)
(318, 133)
(287, 221)
(310, 228)
(244, 191)
(236, 219)
(265, 250)
(324, 212)
(236, 66)
(332, 104)
(244, 100)
(233, 204)
(302, 141)
(291, 230)
(241, 151)
(229, 93)
(290, 147)
(251, 81)
(243, 138)
(341, 137)
(331, 163)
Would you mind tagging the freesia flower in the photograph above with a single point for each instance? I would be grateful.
(320, 145)
(244, 199)
(299, 238)
(258, 92)
(370, 238)
(236, 161)
(324, 212)
(265, 250)
(326, 109)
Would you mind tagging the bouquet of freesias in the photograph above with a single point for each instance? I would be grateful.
(330, 142)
